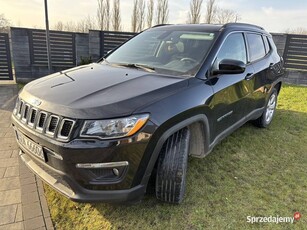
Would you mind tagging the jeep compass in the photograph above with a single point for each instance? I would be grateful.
(101, 132)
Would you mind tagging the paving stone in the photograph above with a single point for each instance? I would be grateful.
(9, 134)
(31, 210)
(5, 130)
(24, 170)
(12, 171)
(2, 172)
(15, 153)
(6, 154)
(34, 223)
(8, 214)
(7, 140)
(8, 144)
(29, 198)
(29, 188)
(22, 201)
(9, 183)
(5, 123)
(28, 180)
(19, 213)
(10, 197)
(8, 162)
(14, 226)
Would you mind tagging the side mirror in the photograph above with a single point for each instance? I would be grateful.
(229, 66)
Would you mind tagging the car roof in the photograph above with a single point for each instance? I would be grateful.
(210, 27)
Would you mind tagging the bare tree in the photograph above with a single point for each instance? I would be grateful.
(162, 12)
(103, 14)
(224, 16)
(298, 30)
(116, 19)
(141, 19)
(150, 12)
(210, 11)
(85, 24)
(59, 26)
(4, 24)
(70, 26)
(134, 16)
(195, 11)
(100, 14)
(138, 16)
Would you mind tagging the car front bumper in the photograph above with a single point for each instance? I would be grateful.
(67, 186)
(86, 183)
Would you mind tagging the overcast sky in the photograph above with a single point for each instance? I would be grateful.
(273, 15)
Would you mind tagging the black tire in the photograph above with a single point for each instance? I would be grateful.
(267, 116)
(172, 168)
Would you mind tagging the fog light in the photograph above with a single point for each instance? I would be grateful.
(115, 171)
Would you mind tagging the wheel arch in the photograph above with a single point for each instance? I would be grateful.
(278, 87)
(197, 124)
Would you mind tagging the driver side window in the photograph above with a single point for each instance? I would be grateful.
(233, 48)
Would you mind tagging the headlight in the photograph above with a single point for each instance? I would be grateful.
(114, 128)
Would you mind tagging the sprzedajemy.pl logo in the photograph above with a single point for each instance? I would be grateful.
(273, 219)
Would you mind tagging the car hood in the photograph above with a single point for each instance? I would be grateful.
(100, 91)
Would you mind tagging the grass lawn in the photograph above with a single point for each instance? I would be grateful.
(253, 172)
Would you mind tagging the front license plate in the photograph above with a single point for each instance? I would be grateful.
(31, 146)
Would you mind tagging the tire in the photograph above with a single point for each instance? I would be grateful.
(172, 168)
(267, 116)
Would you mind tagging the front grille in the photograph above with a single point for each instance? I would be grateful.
(32, 116)
(66, 128)
(41, 120)
(52, 124)
(44, 122)
(25, 112)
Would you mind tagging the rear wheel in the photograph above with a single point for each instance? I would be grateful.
(172, 167)
(267, 116)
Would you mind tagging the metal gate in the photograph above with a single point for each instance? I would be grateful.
(5, 58)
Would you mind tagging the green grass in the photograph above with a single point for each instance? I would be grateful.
(253, 172)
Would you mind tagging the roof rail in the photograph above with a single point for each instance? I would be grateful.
(161, 25)
(233, 24)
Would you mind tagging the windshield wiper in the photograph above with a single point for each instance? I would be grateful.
(137, 66)
(106, 61)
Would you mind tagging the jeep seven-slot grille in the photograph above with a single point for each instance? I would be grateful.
(43, 122)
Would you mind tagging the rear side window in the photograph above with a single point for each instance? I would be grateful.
(256, 46)
(266, 44)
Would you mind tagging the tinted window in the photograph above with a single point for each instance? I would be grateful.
(256, 46)
(233, 48)
(266, 44)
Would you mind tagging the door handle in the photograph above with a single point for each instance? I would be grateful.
(249, 76)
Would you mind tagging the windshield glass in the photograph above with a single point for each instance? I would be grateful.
(167, 52)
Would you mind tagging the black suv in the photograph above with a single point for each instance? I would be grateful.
(100, 132)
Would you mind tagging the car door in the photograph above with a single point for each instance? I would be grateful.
(229, 101)
(260, 59)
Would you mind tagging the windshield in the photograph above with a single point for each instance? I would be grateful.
(167, 52)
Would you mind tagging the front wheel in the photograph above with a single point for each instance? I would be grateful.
(172, 167)
(267, 115)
